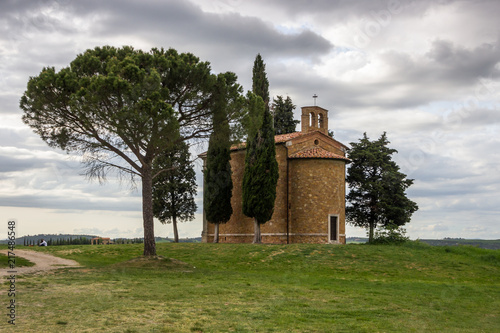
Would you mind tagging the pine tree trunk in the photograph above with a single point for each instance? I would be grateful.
(216, 233)
(176, 233)
(147, 212)
(257, 239)
(370, 235)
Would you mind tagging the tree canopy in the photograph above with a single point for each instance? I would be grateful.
(120, 108)
(376, 187)
(283, 115)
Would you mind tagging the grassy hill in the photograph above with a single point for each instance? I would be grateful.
(266, 288)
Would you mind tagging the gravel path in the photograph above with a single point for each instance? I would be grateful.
(43, 262)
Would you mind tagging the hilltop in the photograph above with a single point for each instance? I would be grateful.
(267, 288)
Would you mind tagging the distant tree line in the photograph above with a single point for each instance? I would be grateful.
(57, 241)
(54, 240)
(128, 240)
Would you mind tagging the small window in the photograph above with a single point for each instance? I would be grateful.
(316, 142)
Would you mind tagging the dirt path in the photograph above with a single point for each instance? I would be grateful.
(43, 262)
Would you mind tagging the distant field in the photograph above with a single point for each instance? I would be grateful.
(264, 288)
(492, 244)
(482, 243)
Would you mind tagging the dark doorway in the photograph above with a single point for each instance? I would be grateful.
(333, 228)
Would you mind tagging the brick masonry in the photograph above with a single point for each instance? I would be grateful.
(309, 191)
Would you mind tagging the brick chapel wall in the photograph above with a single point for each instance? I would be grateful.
(276, 227)
(240, 228)
(317, 189)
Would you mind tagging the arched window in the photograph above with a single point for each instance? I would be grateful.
(321, 122)
(313, 120)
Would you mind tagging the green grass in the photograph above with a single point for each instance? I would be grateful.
(266, 288)
(20, 262)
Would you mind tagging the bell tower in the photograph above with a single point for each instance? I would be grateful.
(314, 118)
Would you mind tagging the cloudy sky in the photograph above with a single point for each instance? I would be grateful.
(427, 72)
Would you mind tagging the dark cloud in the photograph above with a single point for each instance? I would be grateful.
(446, 188)
(436, 168)
(54, 201)
(229, 41)
(474, 118)
(447, 71)
(340, 10)
(456, 63)
(182, 23)
(301, 84)
(22, 20)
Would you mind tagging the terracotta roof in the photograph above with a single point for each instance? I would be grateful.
(317, 152)
(285, 137)
(277, 139)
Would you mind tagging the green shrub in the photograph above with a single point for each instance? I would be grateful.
(391, 234)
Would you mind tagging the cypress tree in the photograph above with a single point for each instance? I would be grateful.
(218, 183)
(260, 83)
(261, 168)
(260, 176)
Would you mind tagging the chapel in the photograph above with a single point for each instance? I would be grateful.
(310, 194)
